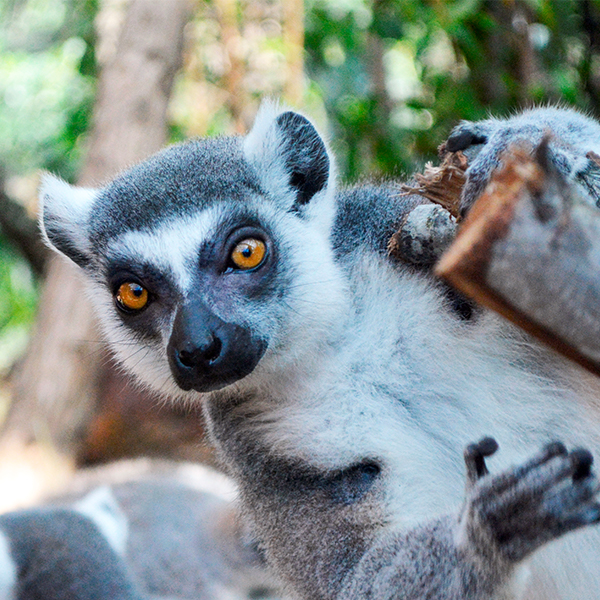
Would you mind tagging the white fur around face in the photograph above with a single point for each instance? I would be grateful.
(171, 247)
(8, 570)
(102, 508)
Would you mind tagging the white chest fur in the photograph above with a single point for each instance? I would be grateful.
(409, 385)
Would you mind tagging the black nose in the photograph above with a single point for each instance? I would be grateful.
(204, 355)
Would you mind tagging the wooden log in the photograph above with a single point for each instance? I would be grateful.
(430, 227)
(442, 184)
(530, 249)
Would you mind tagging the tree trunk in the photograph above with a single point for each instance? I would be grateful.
(58, 385)
(293, 42)
(233, 78)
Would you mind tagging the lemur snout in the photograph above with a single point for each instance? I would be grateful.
(205, 353)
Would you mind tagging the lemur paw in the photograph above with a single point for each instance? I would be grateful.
(478, 142)
(515, 512)
(465, 136)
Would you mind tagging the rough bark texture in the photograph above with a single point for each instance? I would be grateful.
(530, 249)
(58, 387)
(429, 229)
(442, 184)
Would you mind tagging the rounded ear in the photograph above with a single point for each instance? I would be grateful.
(288, 155)
(64, 215)
(305, 155)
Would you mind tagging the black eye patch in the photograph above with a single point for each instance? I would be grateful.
(120, 270)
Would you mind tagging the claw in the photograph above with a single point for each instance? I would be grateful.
(555, 449)
(582, 463)
(475, 455)
(463, 139)
(592, 514)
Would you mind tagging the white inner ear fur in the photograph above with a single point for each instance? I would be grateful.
(102, 508)
(262, 149)
(65, 208)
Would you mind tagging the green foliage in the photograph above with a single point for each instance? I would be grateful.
(396, 75)
(18, 296)
(47, 81)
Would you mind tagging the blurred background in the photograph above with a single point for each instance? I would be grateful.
(88, 87)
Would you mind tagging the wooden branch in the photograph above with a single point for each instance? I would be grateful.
(423, 235)
(429, 228)
(22, 231)
(530, 249)
(442, 185)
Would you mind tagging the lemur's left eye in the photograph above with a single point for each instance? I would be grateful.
(131, 296)
(249, 253)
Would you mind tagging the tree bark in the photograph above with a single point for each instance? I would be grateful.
(59, 383)
(21, 231)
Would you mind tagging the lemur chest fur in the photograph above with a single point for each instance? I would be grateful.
(388, 386)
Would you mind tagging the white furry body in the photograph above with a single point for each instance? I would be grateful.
(426, 385)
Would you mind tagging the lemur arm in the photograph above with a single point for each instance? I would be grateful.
(475, 556)
(324, 536)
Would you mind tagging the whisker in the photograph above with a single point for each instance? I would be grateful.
(311, 283)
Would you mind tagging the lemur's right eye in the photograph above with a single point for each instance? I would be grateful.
(131, 296)
(248, 254)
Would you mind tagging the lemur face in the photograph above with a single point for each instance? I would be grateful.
(211, 258)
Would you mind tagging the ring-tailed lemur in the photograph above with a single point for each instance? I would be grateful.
(149, 535)
(339, 388)
(184, 538)
(60, 553)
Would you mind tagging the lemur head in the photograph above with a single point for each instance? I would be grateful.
(210, 262)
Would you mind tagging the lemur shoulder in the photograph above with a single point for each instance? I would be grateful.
(341, 389)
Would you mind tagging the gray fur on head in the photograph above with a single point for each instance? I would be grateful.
(282, 161)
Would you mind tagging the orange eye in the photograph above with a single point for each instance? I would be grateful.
(249, 253)
(132, 296)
